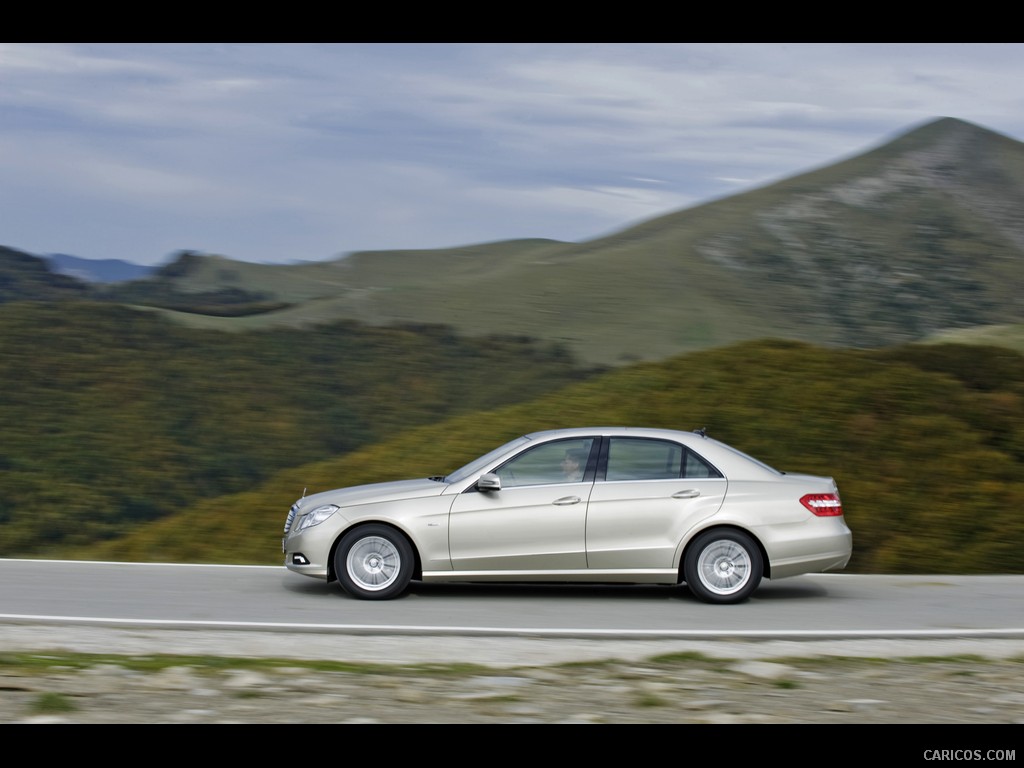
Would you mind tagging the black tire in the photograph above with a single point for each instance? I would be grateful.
(723, 566)
(374, 562)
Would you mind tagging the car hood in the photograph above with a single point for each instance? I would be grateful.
(374, 492)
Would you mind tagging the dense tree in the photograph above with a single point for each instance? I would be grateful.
(113, 417)
(125, 435)
(928, 484)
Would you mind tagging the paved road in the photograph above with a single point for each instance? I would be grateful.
(266, 610)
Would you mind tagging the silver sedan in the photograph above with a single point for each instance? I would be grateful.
(602, 505)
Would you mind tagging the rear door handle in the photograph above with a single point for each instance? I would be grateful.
(566, 500)
(690, 493)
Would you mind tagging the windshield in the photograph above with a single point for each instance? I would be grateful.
(478, 464)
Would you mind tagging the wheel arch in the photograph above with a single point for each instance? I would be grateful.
(417, 568)
(694, 535)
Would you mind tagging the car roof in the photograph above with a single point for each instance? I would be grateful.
(731, 461)
(675, 434)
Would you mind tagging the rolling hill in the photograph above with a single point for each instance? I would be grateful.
(919, 238)
(926, 443)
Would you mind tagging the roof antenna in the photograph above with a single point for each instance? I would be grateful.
(703, 431)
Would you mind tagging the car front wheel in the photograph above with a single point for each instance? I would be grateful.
(374, 562)
(723, 567)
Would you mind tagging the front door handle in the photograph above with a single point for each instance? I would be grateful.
(566, 500)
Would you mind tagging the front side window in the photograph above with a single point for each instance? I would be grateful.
(477, 464)
(562, 461)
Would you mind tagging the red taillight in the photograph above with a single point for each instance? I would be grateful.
(823, 504)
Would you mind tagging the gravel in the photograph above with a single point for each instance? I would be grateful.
(92, 675)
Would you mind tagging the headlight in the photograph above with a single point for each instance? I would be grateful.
(316, 517)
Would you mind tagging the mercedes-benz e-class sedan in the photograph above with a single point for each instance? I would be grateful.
(603, 505)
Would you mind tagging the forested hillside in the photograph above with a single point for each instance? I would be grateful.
(112, 417)
(926, 443)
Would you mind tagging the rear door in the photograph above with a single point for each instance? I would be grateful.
(648, 493)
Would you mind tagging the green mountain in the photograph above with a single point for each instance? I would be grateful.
(917, 237)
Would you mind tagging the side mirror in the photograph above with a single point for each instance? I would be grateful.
(488, 482)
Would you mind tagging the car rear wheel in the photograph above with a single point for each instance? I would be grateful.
(374, 562)
(723, 567)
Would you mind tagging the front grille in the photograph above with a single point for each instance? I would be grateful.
(290, 518)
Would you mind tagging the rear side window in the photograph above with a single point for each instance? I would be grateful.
(633, 458)
(641, 459)
(695, 466)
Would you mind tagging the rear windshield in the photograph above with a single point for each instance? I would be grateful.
(748, 457)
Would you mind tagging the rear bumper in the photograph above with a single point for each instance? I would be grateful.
(830, 551)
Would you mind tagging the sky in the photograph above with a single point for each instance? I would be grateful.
(289, 152)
